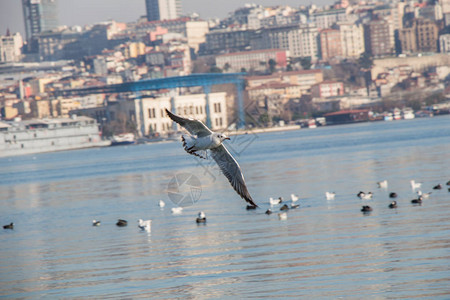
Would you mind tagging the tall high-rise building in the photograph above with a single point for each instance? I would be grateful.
(39, 16)
(163, 9)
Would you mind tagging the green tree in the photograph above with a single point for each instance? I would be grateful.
(226, 67)
(215, 69)
(305, 62)
(272, 64)
(365, 61)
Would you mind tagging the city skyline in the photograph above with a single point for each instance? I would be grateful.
(86, 12)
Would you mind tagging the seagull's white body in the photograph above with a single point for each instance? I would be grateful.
(415, 185)
(176, 210)
(367, 196)
(145, 225)
(201, 140)
(330, 196)
(161, 203)
(423, 195)
(383, 184)
(274, 201)
(294, 197)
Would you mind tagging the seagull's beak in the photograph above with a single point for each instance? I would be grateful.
(227, 138)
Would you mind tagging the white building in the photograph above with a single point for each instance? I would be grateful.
(352, 39)
(163, 9)
(11, 47)
(444, 43)
(155, 119)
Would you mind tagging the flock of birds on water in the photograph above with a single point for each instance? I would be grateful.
(145, 225)
(202, 142)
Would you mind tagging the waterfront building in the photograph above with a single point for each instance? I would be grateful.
(39, 16)
(256, 60)
(163, 9)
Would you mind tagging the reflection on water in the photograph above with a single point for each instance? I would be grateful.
(325, 249)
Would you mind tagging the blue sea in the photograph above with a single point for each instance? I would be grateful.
(325, 249)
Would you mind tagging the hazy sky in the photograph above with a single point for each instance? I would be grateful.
(82, 12)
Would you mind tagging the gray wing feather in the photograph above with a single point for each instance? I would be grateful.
(194, 127)
(230, 168)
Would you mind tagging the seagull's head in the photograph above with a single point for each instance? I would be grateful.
(222, 137)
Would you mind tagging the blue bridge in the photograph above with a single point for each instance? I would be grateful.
(205, 80)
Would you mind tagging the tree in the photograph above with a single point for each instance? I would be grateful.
(365, 61)
(215, 69)
(305, 62)
(272, 64)
(226, 67)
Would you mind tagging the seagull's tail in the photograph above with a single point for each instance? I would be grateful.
(189, 146)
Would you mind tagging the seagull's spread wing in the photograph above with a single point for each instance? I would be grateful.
(232, 171)
(194, 127)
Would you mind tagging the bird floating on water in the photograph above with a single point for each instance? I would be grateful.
(365, 196)
(284, 207)
(437, 187)
(330, 196)
(161, 203)
(423, 195)
(417, 201)
(293, 206)
(9, 226)
(176, 210)
(294, 197)
(200, 140)
(366, 209)
(145, 225)
(121, 223)
(268, 211)
(392, 195)
(415, 185)
(96, 223)
(382, 184)
(275, 201)
(393, 204)
(201, 217)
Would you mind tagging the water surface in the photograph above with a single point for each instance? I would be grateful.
(325, 249)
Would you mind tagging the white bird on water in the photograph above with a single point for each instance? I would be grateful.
(415, 185)
(423, 195)
(200, 140)
(145, 225)
(294, 197)
(177, 210)
(161, 203)
(282, 216)
(383, 184)
(330, 195)
(273, 202)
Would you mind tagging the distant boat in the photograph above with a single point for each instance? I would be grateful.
(408, 114)
(312, 123)
(388, 117)
(123, 139)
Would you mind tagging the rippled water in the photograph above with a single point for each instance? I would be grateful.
(325, 249)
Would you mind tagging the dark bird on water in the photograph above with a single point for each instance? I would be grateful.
(201, 218)
(9, 226)
(437, 187)
(201, 139)
(417, 201)
(284, 207)
(393, 195)
(268, 211)
(366, 208)
(393, 204)
(121, 223)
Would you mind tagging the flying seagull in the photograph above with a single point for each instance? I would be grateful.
(201, 139)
